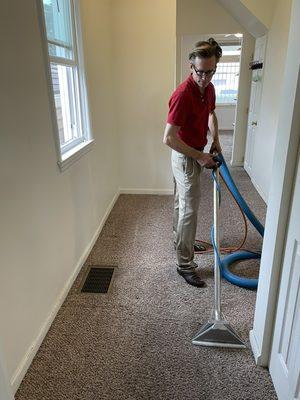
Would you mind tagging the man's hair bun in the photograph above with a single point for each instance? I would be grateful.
(212, 42)
(206, 49)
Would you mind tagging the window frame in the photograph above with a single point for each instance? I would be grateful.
(226, 104)
(69, 153)
(224, 42)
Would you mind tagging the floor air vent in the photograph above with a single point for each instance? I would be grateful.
(98, 279)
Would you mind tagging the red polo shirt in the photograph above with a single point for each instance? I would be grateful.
(189, 110)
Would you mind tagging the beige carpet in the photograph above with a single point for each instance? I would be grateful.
(135, 342)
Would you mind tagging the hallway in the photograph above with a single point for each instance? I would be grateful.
(135, 342)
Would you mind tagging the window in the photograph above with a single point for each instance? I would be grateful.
(226, 82)
(67, 76)
(226, 78)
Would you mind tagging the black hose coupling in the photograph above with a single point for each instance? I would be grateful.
(218, 160)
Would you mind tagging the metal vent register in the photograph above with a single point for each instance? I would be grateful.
(98, 279)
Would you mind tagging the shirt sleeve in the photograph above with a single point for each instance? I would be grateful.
(178, 109)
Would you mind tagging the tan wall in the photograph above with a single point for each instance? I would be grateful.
(144, 68)
(48, 218)
(205, 18)
(194, 16)
(271, 96)
(263, 10)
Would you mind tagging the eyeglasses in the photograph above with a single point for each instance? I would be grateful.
(206, 74)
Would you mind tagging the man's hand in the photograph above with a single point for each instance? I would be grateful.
(206, 161)
(215, 147)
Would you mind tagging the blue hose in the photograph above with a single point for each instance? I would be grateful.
(225, 262)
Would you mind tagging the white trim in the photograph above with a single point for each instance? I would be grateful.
(235, 163)
(221, 105)
(74, 20)
(162, 192)
(69, 146)
(31, 352)
(62, 61)
(59, 43)
(255, 349)
(52, 109)
(83, 89)
(69, 157)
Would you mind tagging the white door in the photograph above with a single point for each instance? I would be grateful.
(255, 100)
(285, 354)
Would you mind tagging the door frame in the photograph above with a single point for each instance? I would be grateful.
(281, 187)
(284, 349)
(240, 128)
(249, 146)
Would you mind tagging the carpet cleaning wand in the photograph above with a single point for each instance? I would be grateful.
(217, 331)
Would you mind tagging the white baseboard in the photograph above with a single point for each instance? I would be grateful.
(31, 352)
(256, 350)
(258, 188)
(254, 345)
(146, 191)
(234, 163)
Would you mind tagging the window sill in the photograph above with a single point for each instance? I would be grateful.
(74, 154)
(226, 105)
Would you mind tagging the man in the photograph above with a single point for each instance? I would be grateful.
(191, 114)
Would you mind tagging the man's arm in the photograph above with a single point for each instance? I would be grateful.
(172, 140)
(213, 127)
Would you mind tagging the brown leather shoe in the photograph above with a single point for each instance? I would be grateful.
(191, 277)
(198, 248)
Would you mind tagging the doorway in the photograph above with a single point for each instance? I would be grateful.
(225, 80)
(255, 102)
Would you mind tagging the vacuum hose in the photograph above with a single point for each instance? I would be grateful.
(248, 283)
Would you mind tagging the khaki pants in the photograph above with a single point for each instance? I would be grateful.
(186, 172)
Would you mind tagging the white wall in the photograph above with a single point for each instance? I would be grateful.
(144, 67)
(271, 96)
(48, 218)
(198, 18)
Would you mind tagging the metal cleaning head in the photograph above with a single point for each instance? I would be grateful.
(218, 334)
